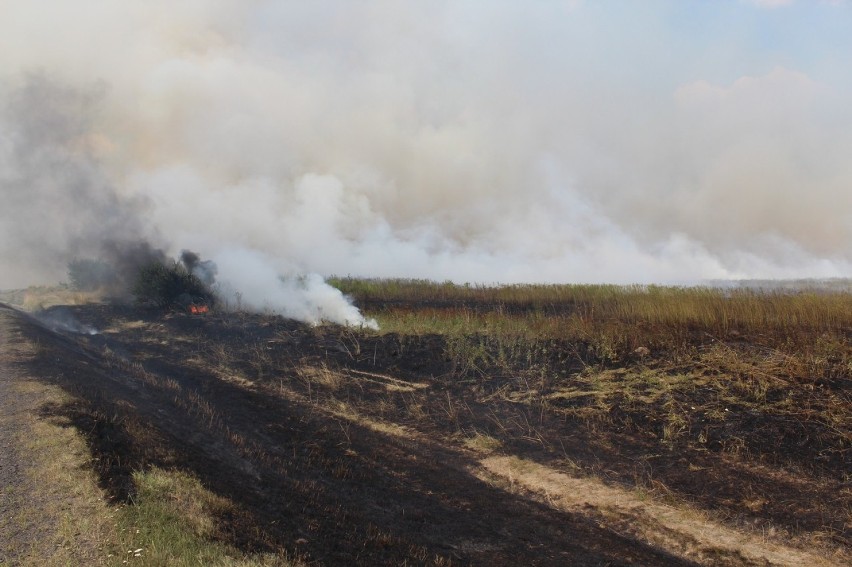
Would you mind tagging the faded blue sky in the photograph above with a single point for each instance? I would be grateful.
(598, 140)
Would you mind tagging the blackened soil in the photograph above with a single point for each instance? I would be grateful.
(334, 491)
(246, 403)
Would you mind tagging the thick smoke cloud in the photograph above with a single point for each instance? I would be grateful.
(487, 142)
(204, 270)
(58, 201)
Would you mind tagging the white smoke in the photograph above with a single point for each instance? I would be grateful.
(249, 278)
(60, 319)
(472, 141)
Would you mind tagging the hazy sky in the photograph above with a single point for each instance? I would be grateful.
(489, 141)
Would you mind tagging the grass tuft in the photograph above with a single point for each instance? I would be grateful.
(172, 521)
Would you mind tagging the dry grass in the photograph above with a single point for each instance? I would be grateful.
(35, 298)
(684, 531)
(59, 502)
(719, 380)
(173, 521)
(552, 311)
(54, 513)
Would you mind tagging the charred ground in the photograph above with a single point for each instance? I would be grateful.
(448, 447)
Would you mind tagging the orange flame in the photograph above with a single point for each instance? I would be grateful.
(198, 309)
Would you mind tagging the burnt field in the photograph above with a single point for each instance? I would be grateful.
(503, 427)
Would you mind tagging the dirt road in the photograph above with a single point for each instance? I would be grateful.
(49, 501)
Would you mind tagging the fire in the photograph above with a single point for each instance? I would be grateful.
(198, 309)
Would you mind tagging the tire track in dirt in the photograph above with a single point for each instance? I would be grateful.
(682, 532)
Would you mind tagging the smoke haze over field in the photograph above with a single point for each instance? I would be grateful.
(506, 141)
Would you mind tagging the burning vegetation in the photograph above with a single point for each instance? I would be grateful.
(150, 278)
(142, 274)
(170, 285)
(198, 309)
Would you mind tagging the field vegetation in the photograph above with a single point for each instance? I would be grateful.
(574, 311)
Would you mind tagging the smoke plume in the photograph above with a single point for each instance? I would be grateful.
(483, 142)
(261, 284)
(204, 270)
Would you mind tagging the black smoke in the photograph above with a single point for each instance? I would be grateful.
(204, 270)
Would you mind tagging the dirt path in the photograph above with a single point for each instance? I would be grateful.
(686, 533)
(22, 527)
(48, 504)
